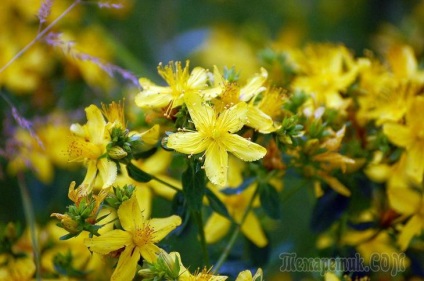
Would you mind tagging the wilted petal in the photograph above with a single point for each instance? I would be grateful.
(216, 164)
(188, 143)
(163, 226)
(243, 148)
(109, 241)
(127, 265)
(216, 228)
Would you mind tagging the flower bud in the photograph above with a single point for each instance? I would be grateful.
(117, 153)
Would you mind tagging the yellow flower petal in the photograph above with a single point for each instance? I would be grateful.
(107, 171)
(144, 198)
(415, 163)
(398, 134)
(216, 228)
(412, 228)
(198, 78)
(203, 115)
(152, 95)
(243, 148)
(254, 86)
(258, 120)
(127, 265)
(216, 164)
(252, 229)
(404, 200)
(149, 252)
(232, 119)
(109, 241)
(130, 215)
(163, 226)
(95, 124)
(188, 143)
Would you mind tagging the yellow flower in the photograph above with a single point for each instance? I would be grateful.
(408, 202)
(137, 239)
(326, 71)
(16, 269)
(216, 136)
(411, 137)
(227, 94)
(180, 83)
(88, 145)
(202, 275)
(246, 275)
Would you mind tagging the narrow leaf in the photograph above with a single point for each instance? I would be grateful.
(194, 186)
(136, 174)
(270, 200)
(216, 204)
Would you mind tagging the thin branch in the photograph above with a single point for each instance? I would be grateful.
(40, 35)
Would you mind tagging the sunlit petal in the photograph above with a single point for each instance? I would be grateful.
(188, 143)
(130, 215)
(149, 252)
(109, 241)
(404, 200)
(95, 124)
(233, 119)
(127, 265)
(163, 226)
(243, 148)
(216, 164)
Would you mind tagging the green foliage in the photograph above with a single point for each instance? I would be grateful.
(136, 174)
(120, 194)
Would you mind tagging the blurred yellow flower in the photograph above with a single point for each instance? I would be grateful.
(216, 136)
(246, 275)
(16, 268)
(410, 203)
(411, 137)
(137, 239)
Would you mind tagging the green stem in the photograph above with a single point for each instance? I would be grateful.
(29, 216)
(199, 221)
(235, 234)
(165, 183)
(40, 35)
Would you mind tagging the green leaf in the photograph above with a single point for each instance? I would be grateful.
(136, 174)
(194, 185)
(270, 200)
(216, 204)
